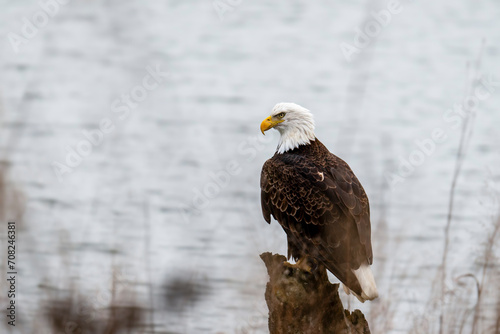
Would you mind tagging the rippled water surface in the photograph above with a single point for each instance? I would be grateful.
(138, 201)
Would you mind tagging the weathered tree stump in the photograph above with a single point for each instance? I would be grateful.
(303, 303)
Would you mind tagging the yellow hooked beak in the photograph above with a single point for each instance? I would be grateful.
(268, 123)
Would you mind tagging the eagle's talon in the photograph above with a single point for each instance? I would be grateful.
(303, 264)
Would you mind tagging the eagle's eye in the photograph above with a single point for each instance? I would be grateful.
(281, 115)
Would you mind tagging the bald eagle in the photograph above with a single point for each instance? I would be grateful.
(318, 201)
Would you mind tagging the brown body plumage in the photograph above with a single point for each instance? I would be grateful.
(322, 207)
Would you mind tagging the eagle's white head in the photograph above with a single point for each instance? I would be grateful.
(294, 123)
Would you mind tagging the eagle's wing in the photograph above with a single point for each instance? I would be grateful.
(352, 195)
(324, 204)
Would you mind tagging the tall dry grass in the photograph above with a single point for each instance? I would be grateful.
(456, 312)
(465, 137)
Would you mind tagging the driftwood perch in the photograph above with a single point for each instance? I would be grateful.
(304, 303)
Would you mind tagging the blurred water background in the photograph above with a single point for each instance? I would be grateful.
(133, 205)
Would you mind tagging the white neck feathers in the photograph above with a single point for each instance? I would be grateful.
(294, 137)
